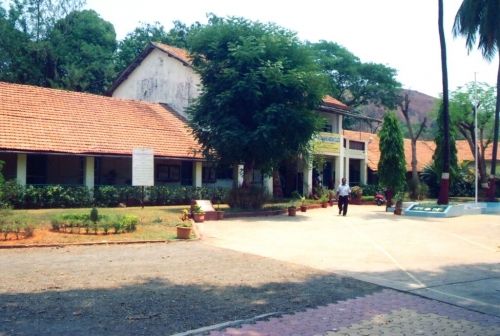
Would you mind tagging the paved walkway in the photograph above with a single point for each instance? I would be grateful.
(450, 260)
(383, 313)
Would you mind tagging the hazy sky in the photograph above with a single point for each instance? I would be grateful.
(402, 34)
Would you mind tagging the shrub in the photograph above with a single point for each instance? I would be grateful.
(16, 225)
(356, 192)
(370, 189)
(62, 196)
(247, 198)
(94, 215)
(129, 223)
(29, 230)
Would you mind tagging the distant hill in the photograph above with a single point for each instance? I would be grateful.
(421, 106)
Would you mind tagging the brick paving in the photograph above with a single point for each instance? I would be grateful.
(384, 313)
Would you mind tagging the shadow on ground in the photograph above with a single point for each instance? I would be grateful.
(167, 304)
(472, 286)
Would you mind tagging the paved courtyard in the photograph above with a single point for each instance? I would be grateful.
(276, 276)
(455, 260)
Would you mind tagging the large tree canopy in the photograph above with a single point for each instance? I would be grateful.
(83, 47)
(36, 18)
(462, 116)
(260, 88)
(355, 82)
(74, 52)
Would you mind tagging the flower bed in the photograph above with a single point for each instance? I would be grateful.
(82, 224)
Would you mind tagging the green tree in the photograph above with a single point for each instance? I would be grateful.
(414, 132)
(445, 115)
(21, 59)
(462, 116)
(82, 48)
(260, 89)
(481, 18)
(135, 42)
(355, 82)
(392, 164)
(36, 18)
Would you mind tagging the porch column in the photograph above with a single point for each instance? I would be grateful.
(268, 184)
(21, 168)
(197, 174)
(363, 171)
(308, 178)
(339, 169)
(89, 172)
(339, 162)
(238, 175)
(346, 169)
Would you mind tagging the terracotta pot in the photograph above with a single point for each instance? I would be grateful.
(324, 204)
(292, 211)
(199, 218)
(331, 202)
(183, 232)
(303, 208)
(220, 215)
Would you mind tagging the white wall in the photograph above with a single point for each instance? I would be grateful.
(334, 120)
(161, 79)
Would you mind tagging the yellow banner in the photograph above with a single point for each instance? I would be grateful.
(327, 143)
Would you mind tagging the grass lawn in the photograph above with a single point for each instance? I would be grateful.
(155, 223)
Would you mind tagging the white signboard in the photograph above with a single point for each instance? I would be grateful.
(142, 167)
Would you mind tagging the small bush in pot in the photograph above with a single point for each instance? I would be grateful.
(184, 228)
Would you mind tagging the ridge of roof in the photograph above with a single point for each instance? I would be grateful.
(329, 100)
(179, 54)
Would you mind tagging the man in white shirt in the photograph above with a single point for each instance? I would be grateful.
(343, 192)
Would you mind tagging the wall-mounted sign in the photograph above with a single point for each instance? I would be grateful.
(143, 167)
(327, 143)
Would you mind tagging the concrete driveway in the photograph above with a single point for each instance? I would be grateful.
(455, 260)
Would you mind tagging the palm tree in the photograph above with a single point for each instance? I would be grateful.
(481, 18)
(445, 175)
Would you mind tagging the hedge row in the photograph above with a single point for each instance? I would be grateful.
(64, 196)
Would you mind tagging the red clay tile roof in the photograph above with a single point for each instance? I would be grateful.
(179, 53)
(425, 150)
(329, 100)
(38, 119)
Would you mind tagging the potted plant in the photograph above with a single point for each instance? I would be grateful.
(331, 197)
(303, 206)
(185, 227)
(398, 209)
(324, 200)
(356, 194)
(292, 209)
(218, 211)
(198, 214)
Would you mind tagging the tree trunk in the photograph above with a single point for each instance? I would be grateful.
(445, 175)
(492, 182)
(467, 130)
(414, 172)
(405, 110)
(248, 174)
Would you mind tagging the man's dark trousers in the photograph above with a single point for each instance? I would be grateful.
(343, 203)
